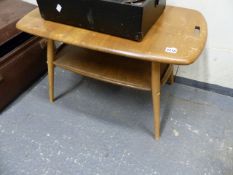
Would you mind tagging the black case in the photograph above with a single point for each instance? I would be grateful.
(125, 18)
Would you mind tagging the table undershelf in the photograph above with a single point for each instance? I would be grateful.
(106, 67)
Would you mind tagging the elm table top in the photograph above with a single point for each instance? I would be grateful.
(180, 28)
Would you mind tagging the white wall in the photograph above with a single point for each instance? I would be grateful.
(215, 65)
(31, 1)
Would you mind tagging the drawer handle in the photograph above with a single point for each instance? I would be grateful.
(1, 78)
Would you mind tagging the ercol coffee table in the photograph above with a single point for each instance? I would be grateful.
(178, 37)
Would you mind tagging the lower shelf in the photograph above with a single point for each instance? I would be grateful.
(106, 67)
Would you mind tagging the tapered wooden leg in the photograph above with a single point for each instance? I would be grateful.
(50, 59)
(171, 78)
(155, 84)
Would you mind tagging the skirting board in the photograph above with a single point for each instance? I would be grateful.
(205, 86)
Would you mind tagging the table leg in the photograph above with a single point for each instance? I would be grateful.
(50, 59)
(171, 78)
(155, 86)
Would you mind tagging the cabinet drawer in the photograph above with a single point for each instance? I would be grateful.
(20, 68)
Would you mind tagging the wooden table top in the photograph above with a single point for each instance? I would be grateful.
(179, 28)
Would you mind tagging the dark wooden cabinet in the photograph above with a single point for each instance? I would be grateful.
(22, 56)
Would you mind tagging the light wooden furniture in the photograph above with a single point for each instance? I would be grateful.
(178, 37)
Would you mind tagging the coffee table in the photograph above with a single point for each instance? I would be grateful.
(178, 37)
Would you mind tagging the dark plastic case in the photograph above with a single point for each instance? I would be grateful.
(125, 18)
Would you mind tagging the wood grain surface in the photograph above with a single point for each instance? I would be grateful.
(107, 67)
(179, 28)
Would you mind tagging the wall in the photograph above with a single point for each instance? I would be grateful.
(216, 62)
